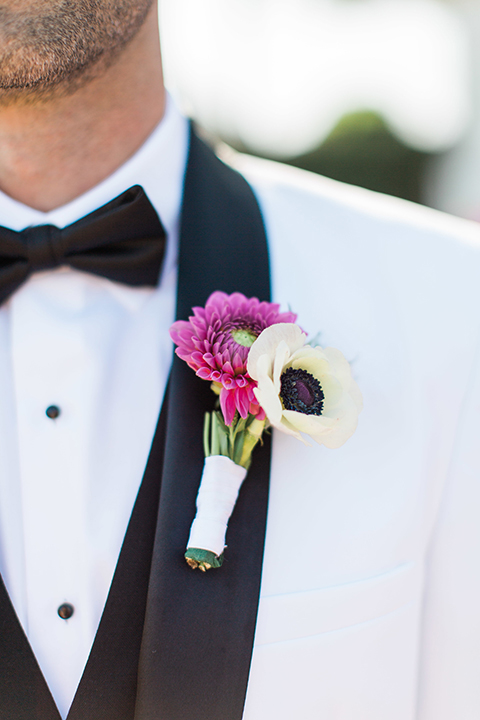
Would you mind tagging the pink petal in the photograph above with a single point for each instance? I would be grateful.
(197, 358)
(204, 373)
(227, 368)
(242, 402)
(228, 382)
(237, 362)
(258, 411)
(210, 360)
(227, 404)
(182, 354)
(198, 312)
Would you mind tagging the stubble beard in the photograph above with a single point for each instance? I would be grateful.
(54, 47)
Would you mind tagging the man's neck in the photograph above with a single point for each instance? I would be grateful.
(53, 151)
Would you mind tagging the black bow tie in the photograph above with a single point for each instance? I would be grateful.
(123, 240)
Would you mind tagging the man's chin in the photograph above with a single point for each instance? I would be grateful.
(51, 49)
(24, 91)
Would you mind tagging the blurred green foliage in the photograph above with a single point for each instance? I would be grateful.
(361, 150)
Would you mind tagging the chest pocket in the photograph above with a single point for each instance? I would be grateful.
(300, 615)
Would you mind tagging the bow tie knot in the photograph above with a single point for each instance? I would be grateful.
(123, 241)
(43, 247)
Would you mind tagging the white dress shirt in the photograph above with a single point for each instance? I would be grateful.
(100, 352)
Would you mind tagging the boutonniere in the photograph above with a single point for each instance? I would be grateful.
(264, 374)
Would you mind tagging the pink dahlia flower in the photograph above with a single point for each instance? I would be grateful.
(215, 342)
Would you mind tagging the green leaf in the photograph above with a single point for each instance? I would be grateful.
(238, 447)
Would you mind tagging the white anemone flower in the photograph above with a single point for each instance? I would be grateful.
(304, 389)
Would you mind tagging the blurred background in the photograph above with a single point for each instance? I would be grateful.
(379, 93)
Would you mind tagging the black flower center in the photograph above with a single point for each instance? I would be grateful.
(301, 391)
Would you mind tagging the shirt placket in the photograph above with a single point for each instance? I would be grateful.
(54, 381)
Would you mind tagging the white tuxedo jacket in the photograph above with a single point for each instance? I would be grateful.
(370, 594)
(370, 600)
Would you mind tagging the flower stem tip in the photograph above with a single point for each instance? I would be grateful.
(203, 559)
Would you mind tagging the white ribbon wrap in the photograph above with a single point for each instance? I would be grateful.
(217, 495)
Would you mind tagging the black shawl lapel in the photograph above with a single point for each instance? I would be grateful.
(199, 628)
(24, 694)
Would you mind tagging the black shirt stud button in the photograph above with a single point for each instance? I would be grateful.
(66, 611)
(52, 412)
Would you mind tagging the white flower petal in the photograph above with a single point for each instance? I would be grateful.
(333, 392)
(342, 370)
(343, 427)
(268, 341)
(264, 367)
(316, 366)
(308, 423)
(281, 357)
(267, 394)
(289, 429)
(308, 351)
(342, 407)
(271, 405)
(338, 365)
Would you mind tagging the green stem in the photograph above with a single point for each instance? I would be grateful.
(215, 444)
(236, 441)
(206, 434)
